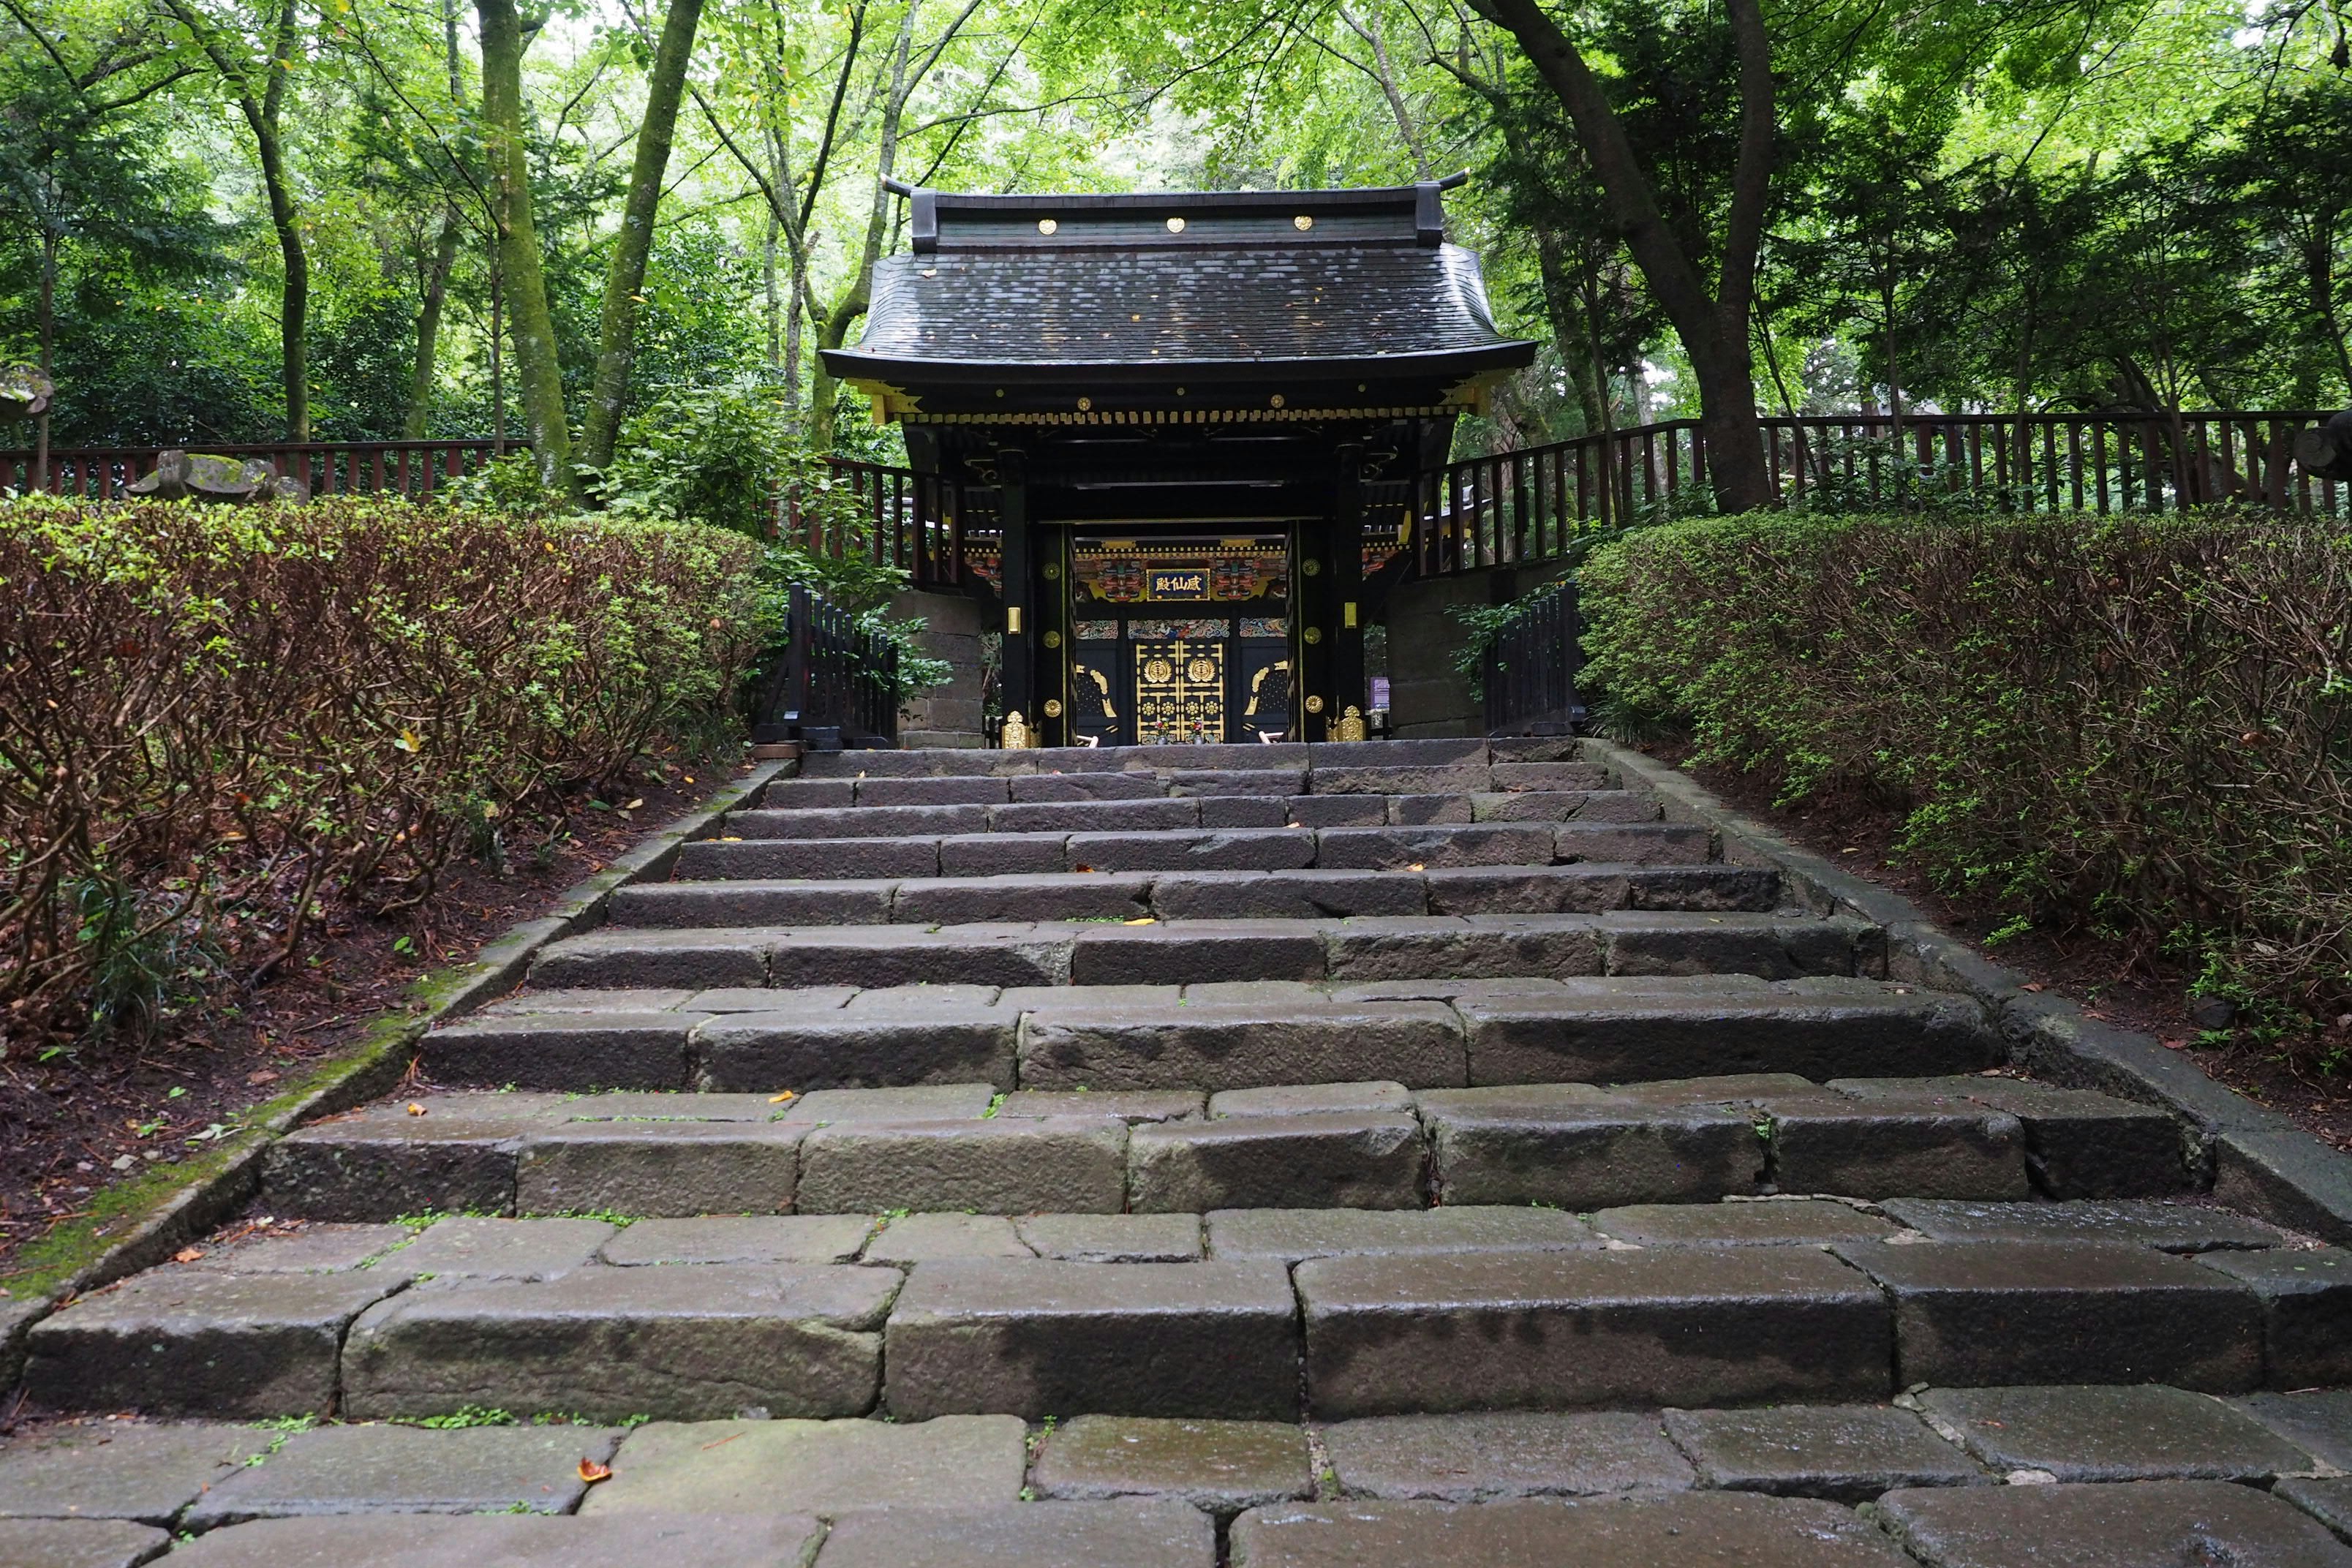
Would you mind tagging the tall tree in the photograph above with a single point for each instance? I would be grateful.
(505, 35)
(1709, 314)
(626, 278)
(256, 79)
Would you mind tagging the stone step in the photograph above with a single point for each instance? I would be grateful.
(854, 808)
(1244, 1035)
(1583, 888)
(948, 762)
(1056, 952)
(2143, 1474)
(1413, 1313)
(1464, 800)
(1272, 847)
(1640, 1153)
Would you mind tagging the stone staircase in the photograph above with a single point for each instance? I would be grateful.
(1279, 1155)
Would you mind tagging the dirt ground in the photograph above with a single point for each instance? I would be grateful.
(71, 1125)
(2126, 988)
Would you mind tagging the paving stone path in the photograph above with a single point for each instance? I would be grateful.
(1409, 1153)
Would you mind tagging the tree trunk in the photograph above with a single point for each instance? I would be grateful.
(530, 325)
(48, 351)
(626, 278)
(497, 358)
(1712, 322)
(771, 307)
(1560, 304)
(428, 328)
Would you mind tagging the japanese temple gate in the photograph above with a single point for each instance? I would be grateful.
(1198, 420)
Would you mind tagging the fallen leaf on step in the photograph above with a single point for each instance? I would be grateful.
(1082, 868)
(263, 1076)
(1416, 866)
(414, 1109)
(1140, 921)
(635, 803)
(188, 1255)
(2032, 985)
(780, 1099)
(591, 1472)
(2176, 1045)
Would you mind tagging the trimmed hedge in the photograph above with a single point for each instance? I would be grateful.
(2140, 723)
(211, 717)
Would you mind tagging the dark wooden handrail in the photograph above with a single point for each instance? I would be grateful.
(1526, 506)
(412, 469)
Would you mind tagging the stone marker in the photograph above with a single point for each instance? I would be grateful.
(824, 1468)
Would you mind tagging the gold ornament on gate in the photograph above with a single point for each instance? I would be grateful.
(1053, 639)
(1199, 671)
(1349, 725)
(1158, 671)
(1315, 705)
(1053, 708)
(1016, 733)
(1313, 633)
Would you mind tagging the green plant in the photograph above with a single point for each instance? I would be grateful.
(467, 1415)
(2133, 724)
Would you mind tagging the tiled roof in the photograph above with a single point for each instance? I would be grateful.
(1278, 308)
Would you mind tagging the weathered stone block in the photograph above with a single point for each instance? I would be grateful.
(621, 955)
(1001, 854)
(186, 1339)
(825, 1467)
(1504, 1146)
(1871, 1148)
(1686, 1530)
(1220, 1467)
(1796, 1221)
(1071, 1164)
(1053, 896)
(480, 1248)
(2306, 1296)
(1387, 1335)
(1480, 1457)
(1332, 1159)
(2092, 1433)
(1185, 952)
(660, 1168)
(1207, 849)
(1846, 1453)
(721, 859)
(2169, 1227)
(749, 1238)
(1293, 1235)
(1218, 1047)
(1312, 1099)
(2015, 1312)
(1467, 844)
(769, 1052)
(1462, 947)
(1113, 1237)
(478, 1541)
(564, 1051)
(374, 1469)
(1133, 1534)
(1304, 895)
(928, 1238)
(608, 1343)
(120, 1470)
(751, 903)
(1052, 1338)
(980, 954)
(2156, 1522)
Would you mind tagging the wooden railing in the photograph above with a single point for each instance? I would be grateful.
(409, 468)
(1530, 505)
(1529, 668)
(833, 686)
(916, 522)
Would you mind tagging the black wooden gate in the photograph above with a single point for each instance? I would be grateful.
(834, 685)
(1530, 669)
